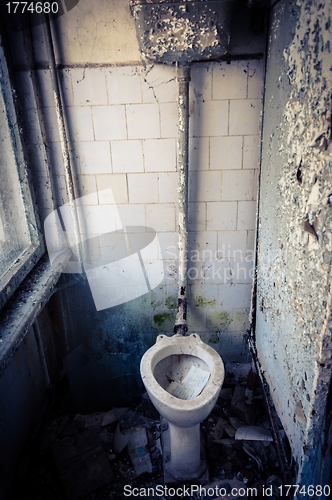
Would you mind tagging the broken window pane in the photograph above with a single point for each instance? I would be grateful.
(21, 243)
(14, 234)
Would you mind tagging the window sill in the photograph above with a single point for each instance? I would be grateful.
(26, 303)
(24, 263)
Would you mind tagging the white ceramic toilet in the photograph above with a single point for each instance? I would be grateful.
(170, 359)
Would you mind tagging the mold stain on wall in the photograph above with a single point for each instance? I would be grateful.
(219, 320)
(204, 302)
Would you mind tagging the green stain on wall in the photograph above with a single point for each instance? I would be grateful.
(241, 319)
(164, 321)
(201, 301)
(155, 302)
(214, 338)
(171, 302)
(219, 321)
(241, 316)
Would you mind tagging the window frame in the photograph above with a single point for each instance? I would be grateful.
(25, 261)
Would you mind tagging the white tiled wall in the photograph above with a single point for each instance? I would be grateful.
(122, 124)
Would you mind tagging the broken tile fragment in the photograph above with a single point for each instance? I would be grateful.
(219, 428)
(120, 440)
(235, 422)
(109, 418)
(230, 431)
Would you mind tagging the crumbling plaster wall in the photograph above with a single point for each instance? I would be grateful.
(295, 241)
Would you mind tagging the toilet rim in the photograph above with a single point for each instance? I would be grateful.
(191, 345)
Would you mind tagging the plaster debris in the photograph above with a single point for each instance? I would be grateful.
(310, 229)
(128, 451)
(299, 413)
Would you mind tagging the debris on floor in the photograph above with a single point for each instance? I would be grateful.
(82, 463)
(95, 456)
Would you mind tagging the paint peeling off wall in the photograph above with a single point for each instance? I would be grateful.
(293, 328)
(174, 32)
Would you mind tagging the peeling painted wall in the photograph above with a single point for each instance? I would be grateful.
(294, 252)
(170, 32)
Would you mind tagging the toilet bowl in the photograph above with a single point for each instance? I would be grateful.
(171, 359)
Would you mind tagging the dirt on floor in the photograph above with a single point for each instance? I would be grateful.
(118, 454)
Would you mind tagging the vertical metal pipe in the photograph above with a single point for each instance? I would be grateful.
(69, 178)
(183, 77)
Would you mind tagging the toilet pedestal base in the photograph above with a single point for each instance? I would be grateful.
(181, 468)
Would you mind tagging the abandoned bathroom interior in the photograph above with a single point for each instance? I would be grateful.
(85, 116)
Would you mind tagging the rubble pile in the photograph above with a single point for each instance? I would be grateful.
(96, 456)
